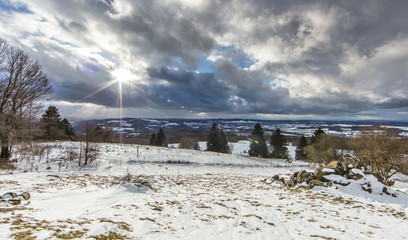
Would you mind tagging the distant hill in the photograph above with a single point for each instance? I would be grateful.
(144, 127)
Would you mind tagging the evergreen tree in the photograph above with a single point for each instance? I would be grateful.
(278, 141)
(258, 144)
(316, 134)
(224, 148)
(152, 139)
(161, 139)
(51, 115)
(51, 123)
(213, 141)
(68, 129)
(300, 151)
(55, 128)
(216, 140)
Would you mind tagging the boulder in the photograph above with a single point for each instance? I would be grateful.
(332, 165)
(355, 174)
(367, 187)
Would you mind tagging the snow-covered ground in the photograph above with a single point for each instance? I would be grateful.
(185, 194)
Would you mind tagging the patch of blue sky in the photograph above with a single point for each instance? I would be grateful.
(108, 57)
(273, 83)
(90, 67)
(19, 7)
(177, 62)
(63, 42)
(27, 35)
(205, 66)
(237, 56)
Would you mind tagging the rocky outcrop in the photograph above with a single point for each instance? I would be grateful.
(338, 173)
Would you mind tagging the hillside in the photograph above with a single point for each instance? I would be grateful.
(144, 192)
(141, 126)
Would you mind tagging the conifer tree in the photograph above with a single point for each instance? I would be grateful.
(316, 134)
(54, 127)
(224, 148)
(258, 146)
(51, 122)
(278, 141)
(68, 129)
(216, 140)
(160, 139)
(300, 151)
(213, 141)
(152, 139)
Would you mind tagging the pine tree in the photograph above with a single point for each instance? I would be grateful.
(51, 115)
(216, 140)
(316, 135)
(224, 148)
(161, 139)
(300, 151)
(278, 142)
(258, 146)
(68, 129)
(152, 139)
(213, 141)
(54, 127)
(51, 123)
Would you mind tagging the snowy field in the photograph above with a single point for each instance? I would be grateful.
(144, 192)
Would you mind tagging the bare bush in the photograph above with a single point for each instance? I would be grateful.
(89, 149)
(31, 152)
(189, 143)
(321, 151)
(380, 151)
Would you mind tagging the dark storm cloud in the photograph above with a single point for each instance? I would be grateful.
(268, 57)
(156, 31)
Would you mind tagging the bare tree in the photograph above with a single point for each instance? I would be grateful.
(88, 147)
(321, 151)
(381, 151)
(188, 142)
(22, 84)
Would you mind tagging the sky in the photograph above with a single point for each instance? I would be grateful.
(260, 59)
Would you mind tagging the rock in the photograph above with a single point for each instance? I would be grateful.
(275, 177)
(340, 180)
(350, 166)
(341, 169)
(385, 190)
(367, 187)
(299, 175)
(357, 171)
(355, 176)
(293, 179)
(282, 180)
(332, 165)
(328, 171)
(25, 195)
(9, 195)
(291, 183)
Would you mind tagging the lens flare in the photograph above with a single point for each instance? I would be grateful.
(123, 75)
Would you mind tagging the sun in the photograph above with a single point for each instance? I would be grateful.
(123, 75)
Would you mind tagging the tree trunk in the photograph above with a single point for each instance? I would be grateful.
(86, 153)
(5, 150)
(5, 153)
